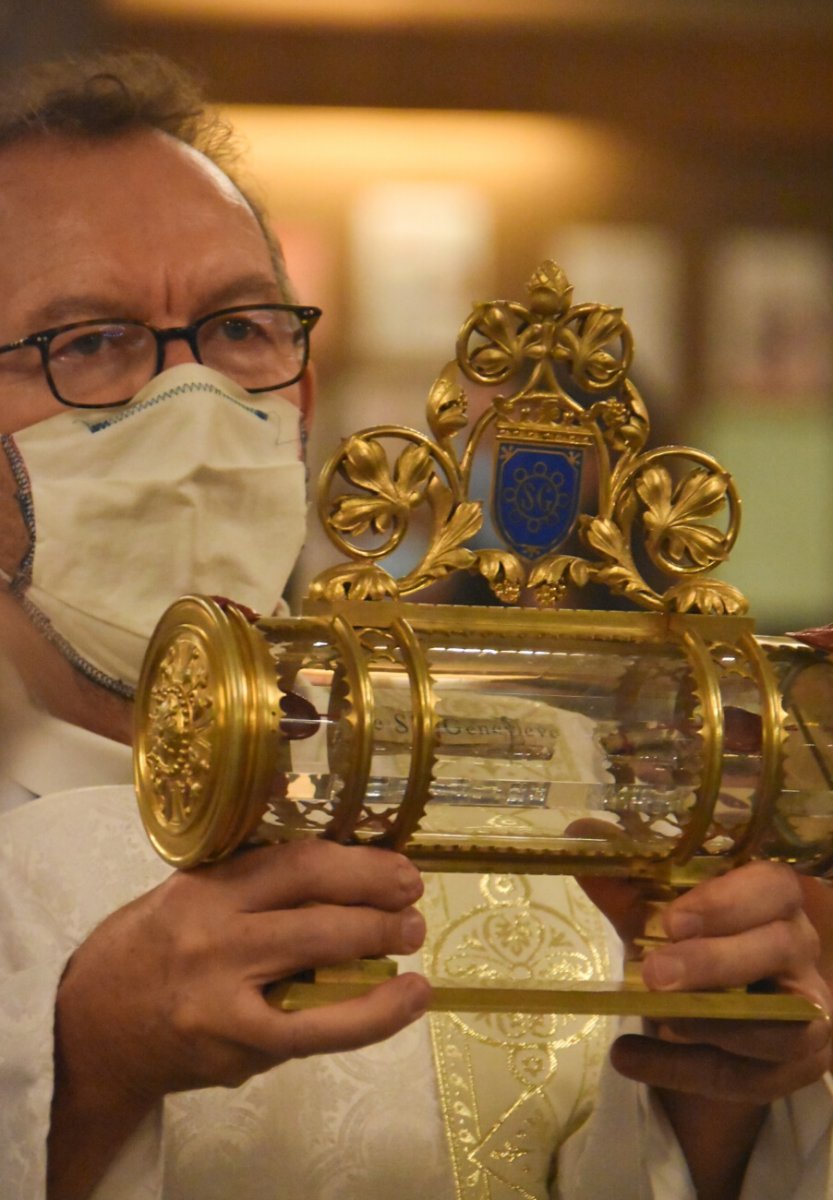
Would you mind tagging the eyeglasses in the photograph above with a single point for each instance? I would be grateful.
(103, 364)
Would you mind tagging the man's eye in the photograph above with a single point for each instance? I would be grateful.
(88, 343)
(238, 329)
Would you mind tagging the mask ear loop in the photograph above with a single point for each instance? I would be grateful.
(19, 543)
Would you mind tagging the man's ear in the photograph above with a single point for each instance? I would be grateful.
(309, 387)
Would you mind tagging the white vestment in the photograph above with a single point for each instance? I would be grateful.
(451, 1108)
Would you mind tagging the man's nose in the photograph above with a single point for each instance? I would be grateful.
(177, 351)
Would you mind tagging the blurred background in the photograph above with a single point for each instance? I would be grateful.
(674, 156)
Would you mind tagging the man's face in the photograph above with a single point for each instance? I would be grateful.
(140, 227)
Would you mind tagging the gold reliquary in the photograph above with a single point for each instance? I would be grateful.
(655, 738)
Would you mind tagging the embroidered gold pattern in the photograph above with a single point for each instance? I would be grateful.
(512, 1087)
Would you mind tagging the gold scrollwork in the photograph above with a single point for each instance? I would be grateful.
(569, 365)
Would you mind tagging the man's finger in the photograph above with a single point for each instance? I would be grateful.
(712, 1073)
(378, 1014)
(783, 950)
(752, 895)
(769, 1041)
(271, 946)
(318, 871)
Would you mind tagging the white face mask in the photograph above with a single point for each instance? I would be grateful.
(196, 486)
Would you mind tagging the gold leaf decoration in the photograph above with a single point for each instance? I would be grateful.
(498, 356)
(389, 499)
(464, 523)
(626, 581)
(625, 425)
(674, 516)
(504, 573)
(701, 544)
(626, 508)
(548, 579)
(413, 468)
(357, 514)
(447, 553)
(441, 499)
(447, 406)
(372, 583)
(358, 582)
(604, 535)
(712, 596)
(593, 363)
(365, 464)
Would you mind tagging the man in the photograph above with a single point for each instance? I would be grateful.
(129, 256)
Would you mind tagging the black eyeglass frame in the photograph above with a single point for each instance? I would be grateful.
(307, 314)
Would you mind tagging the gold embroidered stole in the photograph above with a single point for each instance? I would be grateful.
(512, 1087)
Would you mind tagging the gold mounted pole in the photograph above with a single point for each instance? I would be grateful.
(580, 998)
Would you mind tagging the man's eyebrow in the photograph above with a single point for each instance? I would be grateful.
(255, 288)
(75, 308)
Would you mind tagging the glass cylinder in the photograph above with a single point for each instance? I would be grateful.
(489, 739)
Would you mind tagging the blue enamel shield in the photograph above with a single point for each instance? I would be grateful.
(535, 496)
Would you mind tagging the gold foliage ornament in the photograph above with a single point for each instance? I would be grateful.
(567, 414)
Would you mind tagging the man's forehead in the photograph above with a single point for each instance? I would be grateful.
(38, 162)
(149, 226)
(201, 162)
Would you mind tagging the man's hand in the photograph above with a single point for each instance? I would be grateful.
(746, 926)
(716, 1078)
(167, 994)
